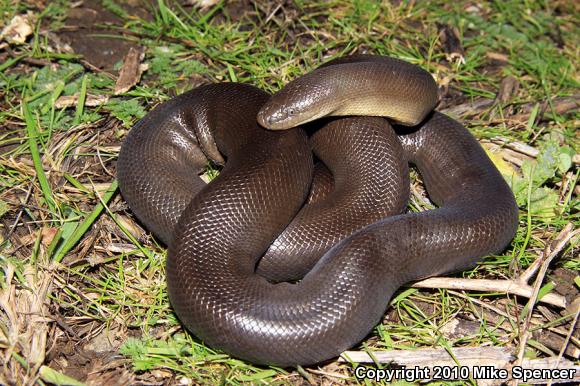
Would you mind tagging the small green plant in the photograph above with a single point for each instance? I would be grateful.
(531, 190)
(170, 65)
(126, 110)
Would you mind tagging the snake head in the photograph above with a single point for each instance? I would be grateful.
(276, 117)
(300, 101)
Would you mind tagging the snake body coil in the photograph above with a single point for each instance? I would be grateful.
(218, 233)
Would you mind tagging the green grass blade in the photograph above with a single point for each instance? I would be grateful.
(81, 101)
(85, 225)
(32, 132)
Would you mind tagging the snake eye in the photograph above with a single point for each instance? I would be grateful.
(290, 112)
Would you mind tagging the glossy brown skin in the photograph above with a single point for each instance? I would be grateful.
(369, 184)
(230, 223)
(354, 85)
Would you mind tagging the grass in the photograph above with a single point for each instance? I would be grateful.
(62, 219)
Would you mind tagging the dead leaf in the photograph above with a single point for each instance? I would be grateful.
(204, 4)
(19, 28)
(161, 373)
(497, 57)
(449, 37)
(131, 71)
(507, 89)
(498, 156)
(48, 235)
(72, 100)
(459, 328)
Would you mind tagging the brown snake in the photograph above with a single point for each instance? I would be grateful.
(230, 245)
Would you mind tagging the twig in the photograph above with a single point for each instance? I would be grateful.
(474, 358)
(28, 59)
(561, 105)
(566, 341)
(470, 108)
(327, 374)
(19, 215)
(524, 148)
(514, 287)
(517, 286)
(431, 356)
(527, 275)
(91, 67)
(507, 316)
(548, 255)
(516, 146)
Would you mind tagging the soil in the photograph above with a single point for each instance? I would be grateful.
(93, 32)
(564, 280)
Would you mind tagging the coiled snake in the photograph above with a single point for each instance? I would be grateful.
(233, 259)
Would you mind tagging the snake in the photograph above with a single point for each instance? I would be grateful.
(291, 254)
